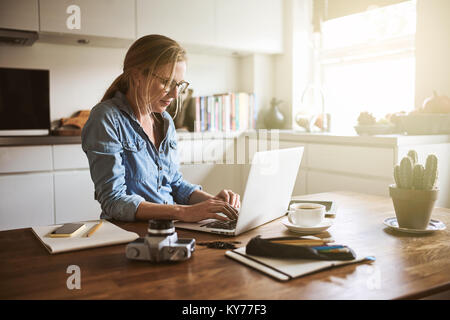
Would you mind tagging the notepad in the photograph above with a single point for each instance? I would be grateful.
(107, 234)
(287, 269)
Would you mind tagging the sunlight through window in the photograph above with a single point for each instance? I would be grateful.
(367, 63)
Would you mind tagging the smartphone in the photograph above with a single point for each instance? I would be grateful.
(67, 230)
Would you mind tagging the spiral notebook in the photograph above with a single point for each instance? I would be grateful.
(107, 234)
(287, 269)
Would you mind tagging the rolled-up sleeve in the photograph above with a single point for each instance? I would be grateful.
(103, 149)
(182, 189)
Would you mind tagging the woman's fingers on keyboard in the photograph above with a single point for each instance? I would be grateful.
(227, 209)
(217, 216)
(230, 211)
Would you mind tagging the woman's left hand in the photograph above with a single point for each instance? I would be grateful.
(229, 196)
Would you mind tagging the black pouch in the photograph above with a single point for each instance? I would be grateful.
(265, 248)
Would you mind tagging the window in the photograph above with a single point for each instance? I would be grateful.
(367, 63)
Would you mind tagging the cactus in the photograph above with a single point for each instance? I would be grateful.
(418, 176)
(406, 173)
(430, 174)
(413, 155)
(397, 176)
(412, 175)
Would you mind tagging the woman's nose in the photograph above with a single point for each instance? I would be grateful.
(173, 93)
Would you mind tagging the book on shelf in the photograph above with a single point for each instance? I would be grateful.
(234, 111)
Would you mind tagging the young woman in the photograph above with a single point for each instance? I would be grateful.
(131, 143)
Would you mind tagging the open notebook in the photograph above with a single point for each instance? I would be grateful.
(287, 269)
(107, 234)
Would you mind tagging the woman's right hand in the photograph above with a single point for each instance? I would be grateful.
(209, 209)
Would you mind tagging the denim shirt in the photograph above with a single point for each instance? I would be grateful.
(125, 166)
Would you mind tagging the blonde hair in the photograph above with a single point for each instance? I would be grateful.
(145, 55)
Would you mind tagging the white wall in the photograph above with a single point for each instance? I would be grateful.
(294, 67)
(212, 74)
(432, 49)
(79, 75)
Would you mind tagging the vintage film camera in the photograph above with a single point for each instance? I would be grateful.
(160, 244)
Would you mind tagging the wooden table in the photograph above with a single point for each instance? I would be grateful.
(407, 266)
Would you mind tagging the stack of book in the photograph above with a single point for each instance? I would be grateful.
(225, 112)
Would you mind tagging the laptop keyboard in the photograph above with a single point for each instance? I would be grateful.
(227, 225)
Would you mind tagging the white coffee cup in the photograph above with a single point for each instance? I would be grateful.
(306, 214)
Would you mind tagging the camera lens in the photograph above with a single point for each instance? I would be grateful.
(160, 227)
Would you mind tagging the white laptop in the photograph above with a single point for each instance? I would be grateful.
(267, 194)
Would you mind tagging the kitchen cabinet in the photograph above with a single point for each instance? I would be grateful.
(25, 159)
(74, 189)
(19, 15)
(214, 177)
(366, 161)
(74, 197)
(69, 156)
(26, 200)
(196, 149)
(42, 185)
(185, 21)
(301, 181)
(248, 26)
(318, 182)
(251, 25)
(99, 18)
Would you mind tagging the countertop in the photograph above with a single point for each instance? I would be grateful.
(285, 135)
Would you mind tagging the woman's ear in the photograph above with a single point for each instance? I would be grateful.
(136, 77)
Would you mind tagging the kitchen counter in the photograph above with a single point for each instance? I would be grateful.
(390, 140)
(38, 140)
(284, 135)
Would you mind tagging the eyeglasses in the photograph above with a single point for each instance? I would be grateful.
(168, 87)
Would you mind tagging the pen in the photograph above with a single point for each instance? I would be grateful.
(335, 250)
(321, 248)
(94, 228)
(301, 243)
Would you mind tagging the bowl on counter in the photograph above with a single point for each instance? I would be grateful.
(375, 129)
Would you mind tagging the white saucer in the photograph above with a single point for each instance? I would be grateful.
(324, 225)
(433, 225)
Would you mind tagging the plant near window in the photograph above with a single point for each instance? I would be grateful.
(415, 191)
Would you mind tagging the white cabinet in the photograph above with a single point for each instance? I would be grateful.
(69, 156)
(326, 182)
(369, 161)
(334, 167)
(214, 177)
(74, 197)
(19, 15)
(74, 189)
(300, 182)
(26, 200)
(43, 185)
(189, 22)
(199, 150)
(99, 18)
(25, 159)
(250, 25)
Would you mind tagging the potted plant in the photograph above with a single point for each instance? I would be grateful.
(414, 193)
